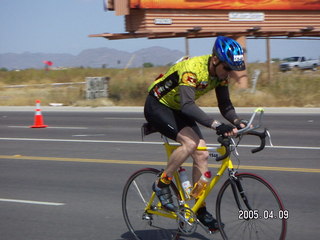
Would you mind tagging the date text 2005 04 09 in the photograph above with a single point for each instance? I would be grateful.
(266, 214)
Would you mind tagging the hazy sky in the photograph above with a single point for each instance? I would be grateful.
(63, 26)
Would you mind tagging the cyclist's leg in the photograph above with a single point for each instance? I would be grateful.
(200, 162)
(189, 141)
(200, 165)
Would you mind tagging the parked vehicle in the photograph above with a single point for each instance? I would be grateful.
(300, 63)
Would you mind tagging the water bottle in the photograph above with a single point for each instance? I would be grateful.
(201, 185)
(185, 182)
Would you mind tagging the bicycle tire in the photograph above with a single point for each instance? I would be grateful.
(264, 219)
(137, 191)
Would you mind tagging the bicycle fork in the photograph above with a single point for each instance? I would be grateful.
(237, 190)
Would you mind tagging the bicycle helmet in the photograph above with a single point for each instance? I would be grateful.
(230, 52)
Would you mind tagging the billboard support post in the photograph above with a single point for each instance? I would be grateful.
(268, 59)
(187, 46)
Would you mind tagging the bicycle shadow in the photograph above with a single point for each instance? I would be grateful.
(154, 235)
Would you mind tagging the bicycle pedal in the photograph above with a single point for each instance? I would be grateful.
(147, 216)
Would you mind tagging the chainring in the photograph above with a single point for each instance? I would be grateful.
(187, 220)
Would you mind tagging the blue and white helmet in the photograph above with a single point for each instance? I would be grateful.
(229, 51)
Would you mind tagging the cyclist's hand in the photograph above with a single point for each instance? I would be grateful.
(241, 123)
(226, 130)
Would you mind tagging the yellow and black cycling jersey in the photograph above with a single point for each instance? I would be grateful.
(193, 72)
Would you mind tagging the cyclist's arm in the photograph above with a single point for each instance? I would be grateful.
(189, 107)
(225, 105)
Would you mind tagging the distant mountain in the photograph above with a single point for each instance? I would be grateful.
(95, 58)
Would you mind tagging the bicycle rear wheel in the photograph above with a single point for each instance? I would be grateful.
(261, 217)
(136, 195)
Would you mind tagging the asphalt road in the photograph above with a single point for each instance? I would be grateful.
(65, 181)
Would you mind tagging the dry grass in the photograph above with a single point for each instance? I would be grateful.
(129, 87)
(27, 96)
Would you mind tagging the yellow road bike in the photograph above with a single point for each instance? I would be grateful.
(247, 206)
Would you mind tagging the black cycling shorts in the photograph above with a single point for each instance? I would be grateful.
(167, 121)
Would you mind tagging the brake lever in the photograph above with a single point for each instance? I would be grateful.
(235, 150)
(269, 137)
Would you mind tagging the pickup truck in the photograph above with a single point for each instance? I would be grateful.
(298, 63)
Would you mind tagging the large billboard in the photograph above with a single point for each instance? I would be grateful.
(228, 4)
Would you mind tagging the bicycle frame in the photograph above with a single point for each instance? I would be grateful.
(226, 164)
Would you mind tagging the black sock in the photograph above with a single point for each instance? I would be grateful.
(162, 184)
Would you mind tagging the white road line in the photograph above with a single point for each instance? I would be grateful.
(88, 135)
(140, 142)
(122, 118)
(31, 202)
(78, 140)
(50, 127)
(68, 127)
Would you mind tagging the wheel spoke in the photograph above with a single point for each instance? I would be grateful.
(139, 192)
(261, 220)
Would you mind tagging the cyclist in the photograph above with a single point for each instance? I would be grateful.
(170, 108)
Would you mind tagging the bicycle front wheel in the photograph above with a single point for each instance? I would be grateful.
(255, 213)
(135, 199)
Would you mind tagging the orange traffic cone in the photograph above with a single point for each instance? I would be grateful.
(38, 119)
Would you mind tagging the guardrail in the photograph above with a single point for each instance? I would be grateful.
(44, 85)
(96, 87)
